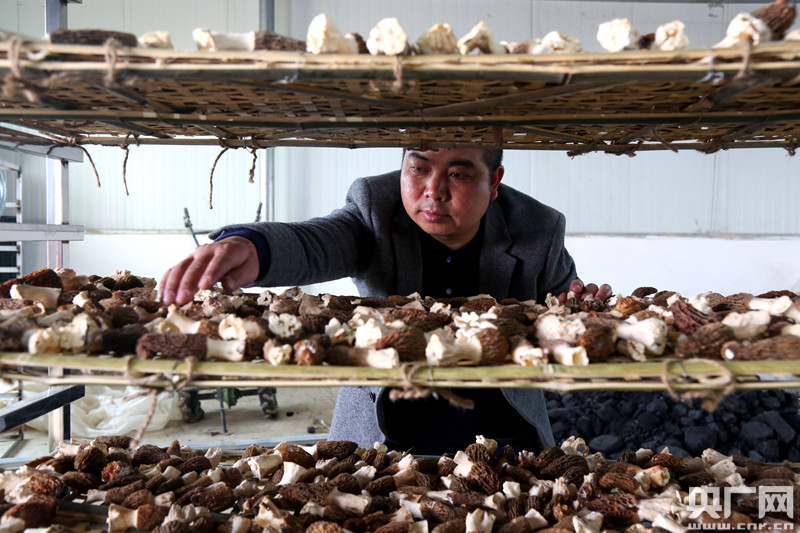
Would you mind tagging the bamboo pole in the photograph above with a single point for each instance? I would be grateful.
(683, 376)
(347, 122)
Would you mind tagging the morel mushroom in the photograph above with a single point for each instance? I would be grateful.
(778, 16)
(617, 35)
(144, 518)
(182, 346)
(258, 40)
(781, 347)
(387, 38)
(745, 29)
(325, 38)
(439, 39)
(479, 38)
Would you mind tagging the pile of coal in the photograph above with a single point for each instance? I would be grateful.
(763, 425)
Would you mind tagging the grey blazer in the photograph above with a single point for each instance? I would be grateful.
(373, 240)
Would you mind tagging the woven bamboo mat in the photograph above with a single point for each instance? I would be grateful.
(619, 103)
(700, 376)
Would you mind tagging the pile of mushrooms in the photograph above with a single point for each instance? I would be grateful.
(335, 486)
(62, 313)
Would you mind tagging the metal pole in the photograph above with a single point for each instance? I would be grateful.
(55, 15)
(57, 202)
(266, 15)
(267, 23)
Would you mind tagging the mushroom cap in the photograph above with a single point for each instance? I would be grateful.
(494, 346)
(148, 454)
(409, 342)
(619, 481)
(346, 483)
(91, 459)
(45, 483)
(37, 511)
(137, 499)
(216, 498)
(296, 454)
(199, 464)
(687, 318)
(339, 449)
(81, 481)
(301, 493)
(382, 485)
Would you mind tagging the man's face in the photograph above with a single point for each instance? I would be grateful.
(447, 192)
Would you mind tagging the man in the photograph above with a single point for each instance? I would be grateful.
(442, 226)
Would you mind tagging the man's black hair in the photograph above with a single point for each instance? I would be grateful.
(493, 157)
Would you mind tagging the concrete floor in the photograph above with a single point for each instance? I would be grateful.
(299, 410)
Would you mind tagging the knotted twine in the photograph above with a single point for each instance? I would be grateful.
(13, 82)
(712, 397)
(410, 391)
(178, 382)
(73, 142)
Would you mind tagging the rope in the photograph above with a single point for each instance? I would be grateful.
(147, 419)
(745, 72)
(13, 56)
(187, 376)
(125, 162)
(792, 145)
(411, 391)
(252, 174)
(138, 379)
(211, 178)
(13, 82)
(398, 73)
(711, 398)
(72, 142)
(112, 48)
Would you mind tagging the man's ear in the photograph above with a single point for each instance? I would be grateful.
(497, 176)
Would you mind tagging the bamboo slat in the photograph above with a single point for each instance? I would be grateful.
(662, 374)
(622, 102)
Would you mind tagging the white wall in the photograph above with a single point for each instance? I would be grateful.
(726, 222)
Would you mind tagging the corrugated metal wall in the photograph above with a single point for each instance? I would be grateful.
(745, 192)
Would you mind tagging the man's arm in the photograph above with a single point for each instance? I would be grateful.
(233, 261)
(316, 250)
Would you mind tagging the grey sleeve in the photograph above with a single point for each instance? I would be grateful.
(313, 251)
(559, 270)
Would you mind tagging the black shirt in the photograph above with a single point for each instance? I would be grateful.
(432, 425)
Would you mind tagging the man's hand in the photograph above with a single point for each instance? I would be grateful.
(602, 293)
(233, 260)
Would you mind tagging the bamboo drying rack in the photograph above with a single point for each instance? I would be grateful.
(622, 102)
(660, 374)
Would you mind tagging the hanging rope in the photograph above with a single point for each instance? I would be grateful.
(112, 48)
(13, 82)
(147, 419)
(712, 396)
(125, 161)
(72, 142)
(252, 173)
(211, 178)
(410, 391)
